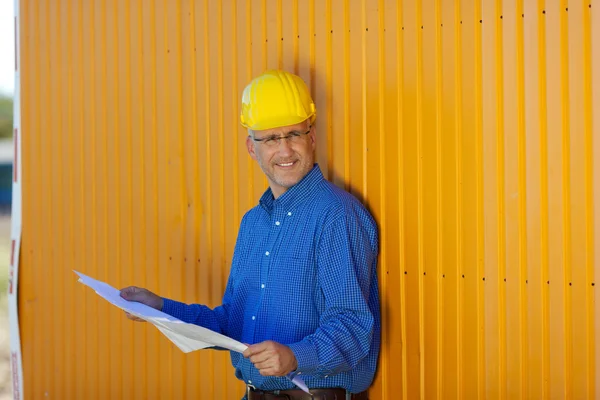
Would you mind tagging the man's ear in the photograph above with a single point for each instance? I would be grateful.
(313, 137)
(250, 146)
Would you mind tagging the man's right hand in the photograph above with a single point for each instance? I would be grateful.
(141, 295)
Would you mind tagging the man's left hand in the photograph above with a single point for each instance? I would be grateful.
(272, 358)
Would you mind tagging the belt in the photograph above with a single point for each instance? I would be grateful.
(296, 394)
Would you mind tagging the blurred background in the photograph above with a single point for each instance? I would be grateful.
(7, 63)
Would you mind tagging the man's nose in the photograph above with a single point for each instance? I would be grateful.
(284, 145)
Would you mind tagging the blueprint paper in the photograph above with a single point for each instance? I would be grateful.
(187, 337)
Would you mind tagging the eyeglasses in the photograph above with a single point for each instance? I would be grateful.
(294, 137)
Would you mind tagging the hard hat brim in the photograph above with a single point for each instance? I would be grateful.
(279, 122)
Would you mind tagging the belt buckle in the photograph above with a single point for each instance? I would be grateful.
(249, 388)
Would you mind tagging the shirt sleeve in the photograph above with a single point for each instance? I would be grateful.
(346, 262)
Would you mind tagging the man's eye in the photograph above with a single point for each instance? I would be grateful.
(271, 140)
(294, 134)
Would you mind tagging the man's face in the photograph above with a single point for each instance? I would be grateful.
(284, 161)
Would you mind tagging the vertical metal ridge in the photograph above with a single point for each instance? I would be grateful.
(250, 162)
(94, 218)
(490, 289)
(209, 207)
(166, 111)
(402, 255)
(544, 207)
(329, 94)
(566, 189)
(49, 204)
(154, 140)
(594, 10)
(265, 37)
(118, 164)
(279, 35)
(509, 282)
(142, 204)
(57, 150)
(234, 108)
(182, 206)
(70, 356)
(196, 187)
(127, 389)
(533, 278)
(458, 54)
(576, 285)
(383, 283)
(420, 195)
(501, 184)
(590, 249)
(363, 78)
(163, 154)
(37, 347)
(221, 144)
(555, 283)
(221, 165)
(481, 381)
(295, 31)
(522, 183)
(105, 166)
(346, 93)
(439, 201)
(69, 337)
(166, 150)
(35, 156)
(128, 150)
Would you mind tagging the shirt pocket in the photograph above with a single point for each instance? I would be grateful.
(294, 275)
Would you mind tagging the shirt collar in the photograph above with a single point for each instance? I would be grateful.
(294, 195)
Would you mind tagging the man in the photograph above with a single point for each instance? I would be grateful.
(302, 289)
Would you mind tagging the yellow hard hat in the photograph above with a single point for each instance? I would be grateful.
(274, 99)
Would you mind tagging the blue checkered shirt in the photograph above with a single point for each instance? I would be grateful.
(303, 274)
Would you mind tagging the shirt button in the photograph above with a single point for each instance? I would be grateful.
(267, 253)
(253, 318)
(262, 286)
(289, 214)
(277, 223)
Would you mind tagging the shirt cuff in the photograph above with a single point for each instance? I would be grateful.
(306, 356)
(174, 308)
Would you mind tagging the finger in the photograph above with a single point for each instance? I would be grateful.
(247, 353)
(134, 318)
(261, 357)
(264, 364)
(128, 291)
(252, 350)
(269, 372)
(262, 346)
(133, 293)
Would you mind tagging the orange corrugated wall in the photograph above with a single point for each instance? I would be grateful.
(469, 128)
